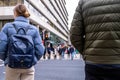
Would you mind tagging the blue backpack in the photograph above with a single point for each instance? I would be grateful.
(20, 49)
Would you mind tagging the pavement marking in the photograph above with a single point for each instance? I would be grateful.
(3, 72)
(1, 65)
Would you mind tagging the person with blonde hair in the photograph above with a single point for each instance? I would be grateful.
(21, 20)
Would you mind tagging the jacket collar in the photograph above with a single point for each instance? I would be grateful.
(22, 19)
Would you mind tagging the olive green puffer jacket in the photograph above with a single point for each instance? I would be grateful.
(95, 31)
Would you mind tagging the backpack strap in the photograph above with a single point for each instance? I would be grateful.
(25, 29)
(15, 27)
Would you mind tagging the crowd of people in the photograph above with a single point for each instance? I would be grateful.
(59, 51)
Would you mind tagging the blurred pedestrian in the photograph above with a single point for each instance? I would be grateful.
(52, 50)
(44, 55)
(63, 50)
(59, 50)
(48, 50)
(72, 51)
(21, 15)
(95, 33)
(55, 52)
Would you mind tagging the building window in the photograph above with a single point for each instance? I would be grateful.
(1, 2)
(19, 1)
(1, 25)
(9, 2)
(12, 2)
(3, 22)
(6, 3)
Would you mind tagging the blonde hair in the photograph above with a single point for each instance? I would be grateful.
(21, 10)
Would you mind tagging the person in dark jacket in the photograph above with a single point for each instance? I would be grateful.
(95, 33)
(49, 50)
(21, 15)
(72, 51)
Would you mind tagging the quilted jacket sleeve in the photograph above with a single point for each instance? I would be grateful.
(39, 48)
(77, 29)
(3, 43)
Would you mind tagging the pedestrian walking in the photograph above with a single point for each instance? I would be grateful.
(72, 52)
(59, 50)
(68, 52)
(95, 33)
(55, 52)
(52, 50)
(63, 51)
(21, 67)
(44, 55)
(48, 51)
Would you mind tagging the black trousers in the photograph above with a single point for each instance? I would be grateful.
(97, 72)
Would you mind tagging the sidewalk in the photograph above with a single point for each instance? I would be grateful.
(60, 70)
(56, 70)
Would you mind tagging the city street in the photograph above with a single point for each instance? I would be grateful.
(56, 70)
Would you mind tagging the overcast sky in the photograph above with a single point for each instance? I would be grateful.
(71, 6)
